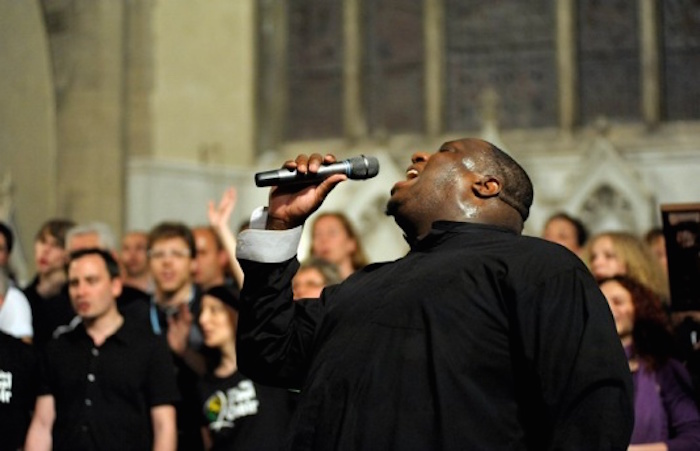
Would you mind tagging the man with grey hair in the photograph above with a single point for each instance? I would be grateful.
(91, 235)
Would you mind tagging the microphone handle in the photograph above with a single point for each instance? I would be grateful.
(289, 177)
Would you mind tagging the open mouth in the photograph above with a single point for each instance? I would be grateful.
(411, 173)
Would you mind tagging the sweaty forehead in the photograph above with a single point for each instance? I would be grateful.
(467, 145)
(472, 151)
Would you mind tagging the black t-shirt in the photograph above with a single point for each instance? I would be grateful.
(103, 395)
(48, 313)
(242, 415)
(19, 371)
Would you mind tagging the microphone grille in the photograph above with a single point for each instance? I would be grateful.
(363, 167)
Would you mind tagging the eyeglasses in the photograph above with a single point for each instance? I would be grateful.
(160, 254)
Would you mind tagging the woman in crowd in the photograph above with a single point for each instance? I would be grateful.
(566, 230)
(334, 239)
(620, 253)
(237, 413)
(313, 276)
(657, 244)
(666, 416)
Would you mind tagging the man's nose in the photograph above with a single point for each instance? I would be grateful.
(420, 157)
(79, 289)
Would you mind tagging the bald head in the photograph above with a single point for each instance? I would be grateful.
(467, 180)
(516, 189)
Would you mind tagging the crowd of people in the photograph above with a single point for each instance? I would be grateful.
(199, 338)
(632, 272)
(161, 304)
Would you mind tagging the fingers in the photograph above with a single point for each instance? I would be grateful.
(185, 313)
(329, 184)
(228, 201)
(221, 212)
(309, 163)
(211, 213)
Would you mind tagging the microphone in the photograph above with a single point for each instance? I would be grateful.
(356, 168)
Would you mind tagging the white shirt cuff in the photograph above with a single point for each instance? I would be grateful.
(267, 246)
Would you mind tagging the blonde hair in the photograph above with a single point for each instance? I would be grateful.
(635, 255)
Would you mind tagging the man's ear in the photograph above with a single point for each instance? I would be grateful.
(486, 186)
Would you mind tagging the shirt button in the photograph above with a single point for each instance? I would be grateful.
(95, 352)
(91, 377)
(88, 402)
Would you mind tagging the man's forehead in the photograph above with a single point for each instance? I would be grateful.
(47, 237)
(87, 263)
(174, 241)
(466, 145)
(203, 234)
(135, 237)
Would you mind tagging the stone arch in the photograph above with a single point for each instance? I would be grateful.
(607, 193)
(27, 121)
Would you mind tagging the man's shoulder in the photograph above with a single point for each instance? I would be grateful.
(533, 261)
(138, 332)
(10, 345)
(548, 252)
(71, 331)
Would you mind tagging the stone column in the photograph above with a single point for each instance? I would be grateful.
(354, 120)
(203, 103)
(434, 29)
(138, 68)
(273, 92)
(566, 65)
(27, 126)
(90, 84)
(651, 80)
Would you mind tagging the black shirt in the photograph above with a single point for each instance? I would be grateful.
(242, 415)
(477, 339)
(19, 379)
(103, 395)
(48, 313)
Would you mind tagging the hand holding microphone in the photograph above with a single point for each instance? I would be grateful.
(301, 186)
(356, 168)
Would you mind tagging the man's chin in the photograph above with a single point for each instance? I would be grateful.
(391, 207)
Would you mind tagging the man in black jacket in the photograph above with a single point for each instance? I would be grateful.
(479, 338)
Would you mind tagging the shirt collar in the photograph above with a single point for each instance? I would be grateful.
(441, 230)
(121, 335)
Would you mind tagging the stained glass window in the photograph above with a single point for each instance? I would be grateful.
(506, 46)
(609, 62)
(681, 65)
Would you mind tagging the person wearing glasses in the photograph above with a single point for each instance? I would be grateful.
(175, 305)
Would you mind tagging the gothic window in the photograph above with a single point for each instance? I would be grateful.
(506, 46)
(681, 46)
(315, 69)
(609, 67)
(393, 65)
(608, 209)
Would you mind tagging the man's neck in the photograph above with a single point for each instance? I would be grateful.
(104, 326)
(181, 296)
(143, 282)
